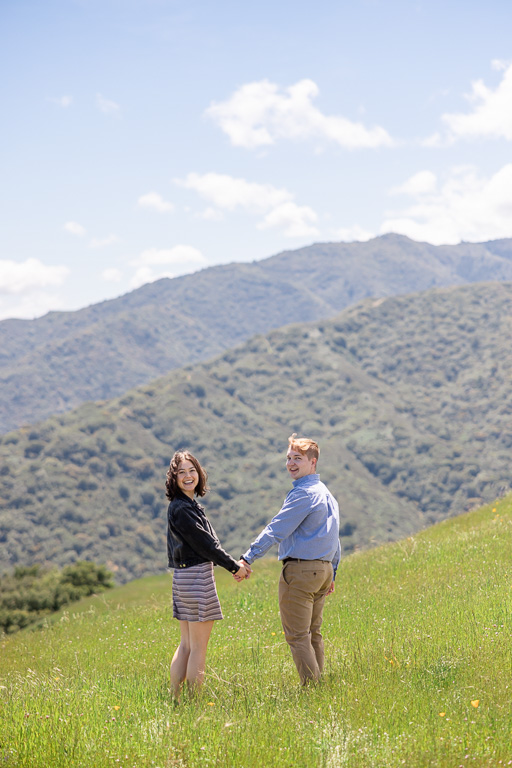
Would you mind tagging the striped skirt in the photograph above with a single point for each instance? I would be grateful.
(194, 594)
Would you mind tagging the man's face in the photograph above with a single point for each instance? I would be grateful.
(298, 464)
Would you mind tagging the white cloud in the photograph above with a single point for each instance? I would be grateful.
(276, 205)
(74, 228)
(24, 288)
(155, 201)
(258, 114)
(30, 306)
(353, 234)
(491, 114)
(228, 192)
(419, 184)
(107, 106)
(30, 275)
(62, 101)
(211, 214)
(436, 140)
(295, 220)
(145, 275)
(104, 242)
(500, 64)
(112, 275)
(464, 206)
(154, 263)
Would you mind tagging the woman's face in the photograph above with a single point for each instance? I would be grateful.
(187, 478)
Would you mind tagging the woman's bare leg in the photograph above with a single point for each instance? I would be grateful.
(180, 660)
(199, 634)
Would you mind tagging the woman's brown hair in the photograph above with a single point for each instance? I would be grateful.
(171, 485)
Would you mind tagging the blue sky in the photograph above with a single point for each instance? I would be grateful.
(150, 138)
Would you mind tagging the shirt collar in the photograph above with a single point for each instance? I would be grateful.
(181, 495)
(306, 480)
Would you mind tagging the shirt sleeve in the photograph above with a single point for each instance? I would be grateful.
(190, 526)
(295, 508)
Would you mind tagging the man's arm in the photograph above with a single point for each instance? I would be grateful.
(295, 508)
(335, 563)
(336, 559)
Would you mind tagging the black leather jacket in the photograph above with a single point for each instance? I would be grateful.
(191, 539)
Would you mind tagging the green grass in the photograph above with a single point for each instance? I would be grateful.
(416, 634)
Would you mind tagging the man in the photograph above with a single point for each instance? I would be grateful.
(307, 531)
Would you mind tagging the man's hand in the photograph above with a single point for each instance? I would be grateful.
(331, 588)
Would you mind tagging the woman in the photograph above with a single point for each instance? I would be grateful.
(193, 548)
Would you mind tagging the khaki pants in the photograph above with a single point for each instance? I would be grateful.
(302, 589)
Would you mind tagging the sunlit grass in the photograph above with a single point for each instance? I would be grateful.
(419, 662)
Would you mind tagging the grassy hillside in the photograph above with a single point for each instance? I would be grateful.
(418, 640)
(52, 364)
(409, 398)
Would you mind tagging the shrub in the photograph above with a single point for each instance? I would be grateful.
(87, 576)
(31, 592)
(33, 450)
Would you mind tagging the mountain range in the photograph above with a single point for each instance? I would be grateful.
(52, 364)
(409, 397)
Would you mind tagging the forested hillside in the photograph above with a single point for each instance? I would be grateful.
(409, 398)
(52, 364)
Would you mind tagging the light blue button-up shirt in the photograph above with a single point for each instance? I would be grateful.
(306, 527)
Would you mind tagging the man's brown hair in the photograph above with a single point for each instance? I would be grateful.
(171, 485)
(305, 446)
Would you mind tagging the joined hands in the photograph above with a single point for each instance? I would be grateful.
(244, 572)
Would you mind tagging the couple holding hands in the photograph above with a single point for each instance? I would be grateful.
(307, 531)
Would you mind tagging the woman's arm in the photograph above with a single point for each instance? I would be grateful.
(189, 524)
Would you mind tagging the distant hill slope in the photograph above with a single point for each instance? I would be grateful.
(52, 364)
(409, 397)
